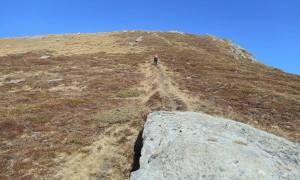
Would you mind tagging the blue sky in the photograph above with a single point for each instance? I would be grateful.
(269, 29)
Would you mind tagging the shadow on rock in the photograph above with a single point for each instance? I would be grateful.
(137, 151)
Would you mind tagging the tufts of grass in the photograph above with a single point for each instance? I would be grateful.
(17, 110)
(295, 108)
(37, 119)
(46, 161)
(234, 98)
(78, 140)
(10, 129)
(117, 115)
(127, 93)
(72, 102)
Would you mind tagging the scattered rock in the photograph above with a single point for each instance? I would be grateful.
(44, 57)
(214, 38)
(35, 134)
(237, 51)
(74, 67)
(54, 80)
(14, 81)
(188, 145)
(36, 37)
(139, 39)
(177, 32)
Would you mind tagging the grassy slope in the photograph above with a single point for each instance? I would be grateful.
(44, 123)
(41, 121)
(249, 92)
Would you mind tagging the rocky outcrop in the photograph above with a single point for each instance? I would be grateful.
(188, 145)
(235, 50)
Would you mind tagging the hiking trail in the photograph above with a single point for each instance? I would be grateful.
(161, 93)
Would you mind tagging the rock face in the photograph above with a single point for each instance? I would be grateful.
(189, 145)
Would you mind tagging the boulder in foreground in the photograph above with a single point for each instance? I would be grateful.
(189, 145)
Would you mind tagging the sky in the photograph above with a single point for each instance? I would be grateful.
(269, 29)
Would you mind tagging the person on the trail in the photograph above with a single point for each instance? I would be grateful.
(155, 59)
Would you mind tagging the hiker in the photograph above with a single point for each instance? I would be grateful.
(155, 59)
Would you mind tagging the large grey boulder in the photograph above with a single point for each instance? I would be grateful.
(189, 145)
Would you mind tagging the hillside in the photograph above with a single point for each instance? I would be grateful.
(73, 105)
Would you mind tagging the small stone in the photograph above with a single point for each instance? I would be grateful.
(139, 39)
(54, 80)
(14, 81)
(35, 134)
(44, 57)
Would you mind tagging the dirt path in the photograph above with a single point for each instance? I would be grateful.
(161, 92)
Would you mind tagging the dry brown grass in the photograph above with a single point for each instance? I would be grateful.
(67, 44)
(76, 127)
(41, 119)
(248, 92)
(117, 115)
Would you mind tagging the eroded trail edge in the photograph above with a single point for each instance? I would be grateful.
(98, 159)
